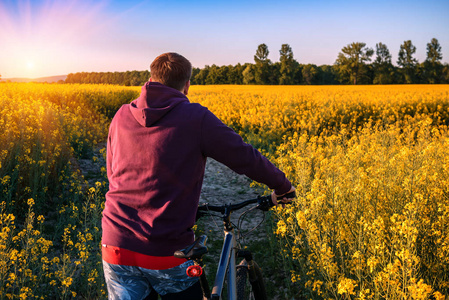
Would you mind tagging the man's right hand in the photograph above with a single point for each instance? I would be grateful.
(284, 200)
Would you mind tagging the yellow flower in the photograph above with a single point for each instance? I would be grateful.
(439, 296)
(67, 282)
(347, 286)
(40, 219)
(5, 180)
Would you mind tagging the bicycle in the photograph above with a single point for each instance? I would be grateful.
(236, 275)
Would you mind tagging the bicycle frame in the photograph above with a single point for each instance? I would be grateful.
(226, 265)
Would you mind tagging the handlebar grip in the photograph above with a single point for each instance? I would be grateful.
(265, 203)
(288, 196)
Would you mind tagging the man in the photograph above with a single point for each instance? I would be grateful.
(156, 156)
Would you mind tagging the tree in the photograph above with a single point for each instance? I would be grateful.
(309, 74)
(407, 62)
(195, 72)
(214, 76)
(434, 54)
(274, 71)
(223, 75)
(261, 54)
(235, 74)
(351, 61)
(432, 67)
(200, 77)
(287, 65)
(383, 55)
(261, 72)
(445, 73)
(145, 76)
(248, 74)
(383, 68)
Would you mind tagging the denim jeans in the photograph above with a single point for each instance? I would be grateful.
(129, 282)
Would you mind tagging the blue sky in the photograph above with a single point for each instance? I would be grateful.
(50, 37)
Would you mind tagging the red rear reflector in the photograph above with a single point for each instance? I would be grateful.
(194, 271)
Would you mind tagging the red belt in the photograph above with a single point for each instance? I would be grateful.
(120, 256)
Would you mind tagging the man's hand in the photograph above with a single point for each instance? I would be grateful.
(283, 201)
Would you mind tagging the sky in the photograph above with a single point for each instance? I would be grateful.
(55, 37)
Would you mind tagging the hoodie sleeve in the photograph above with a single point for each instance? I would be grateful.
(109, 152)
(223, 144)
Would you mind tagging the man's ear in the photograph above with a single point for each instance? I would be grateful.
(186, 88)
(151, 79)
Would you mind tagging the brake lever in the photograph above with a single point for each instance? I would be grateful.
(265, 203)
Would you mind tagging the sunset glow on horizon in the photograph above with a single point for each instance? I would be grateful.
(41, 39)
(49, 37)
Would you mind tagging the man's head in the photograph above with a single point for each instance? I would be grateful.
(173, 70)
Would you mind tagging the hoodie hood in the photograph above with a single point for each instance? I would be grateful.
(154, 102)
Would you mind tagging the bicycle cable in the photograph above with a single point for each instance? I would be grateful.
(241, 236)
(240, 222)
(211, 215)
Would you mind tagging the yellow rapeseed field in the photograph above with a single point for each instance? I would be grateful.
(370, 164)
(49, 216)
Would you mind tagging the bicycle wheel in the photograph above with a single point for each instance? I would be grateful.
(250, 283)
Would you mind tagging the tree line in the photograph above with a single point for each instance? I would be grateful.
(355, 64)
(129, 78)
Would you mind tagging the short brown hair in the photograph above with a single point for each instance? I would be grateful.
(171, 69)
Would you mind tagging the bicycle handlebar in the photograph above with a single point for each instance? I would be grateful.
(263, 203)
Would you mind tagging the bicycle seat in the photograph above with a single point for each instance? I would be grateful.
(195, 250)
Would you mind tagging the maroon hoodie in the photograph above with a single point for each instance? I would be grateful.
(156, 156)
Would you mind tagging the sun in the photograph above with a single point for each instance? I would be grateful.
(29, 68)
(30, 65)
